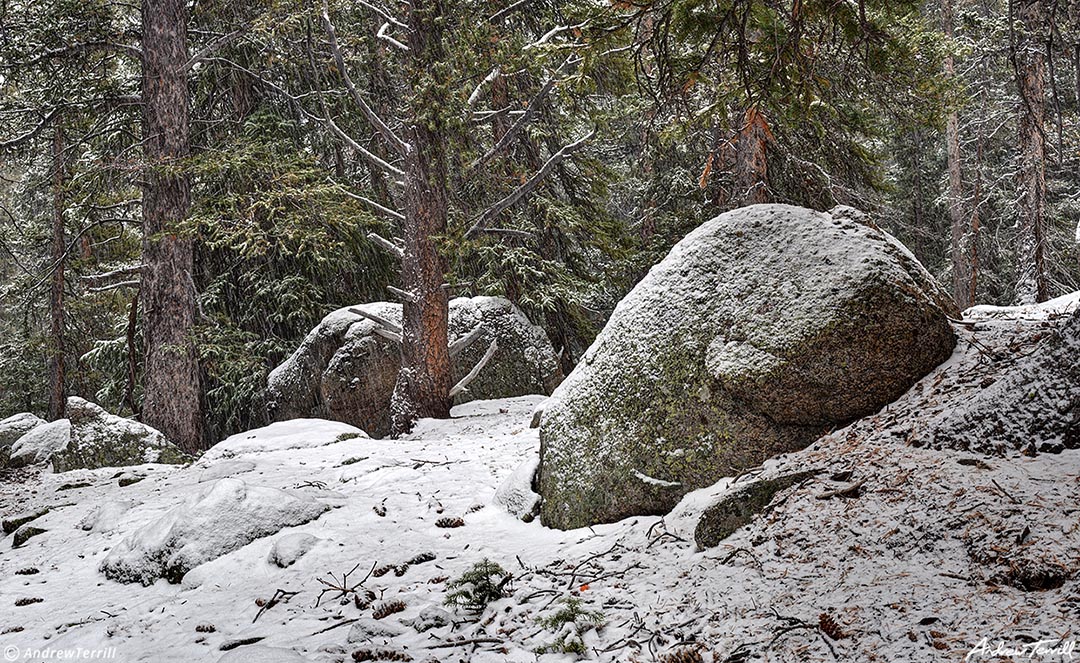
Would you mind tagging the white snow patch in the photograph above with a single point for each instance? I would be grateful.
(1063, 305)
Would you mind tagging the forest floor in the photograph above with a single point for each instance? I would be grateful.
(892, 553)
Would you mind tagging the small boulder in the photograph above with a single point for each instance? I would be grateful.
(344, 371)
(40, 443)
(100, 439)
(365, 630)
(221, 518)
(739, 506)
(761, 330)
(290, 547)
(516, 494)
(17, 425)
(91, 438)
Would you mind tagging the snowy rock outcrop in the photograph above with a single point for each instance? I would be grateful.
(91, 438)
(14, 427)
(761, 330)
(223, 517)
(344, 371)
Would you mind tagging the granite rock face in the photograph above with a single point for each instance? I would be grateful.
(762, 329)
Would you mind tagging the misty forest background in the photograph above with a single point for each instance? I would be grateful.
(187, 189)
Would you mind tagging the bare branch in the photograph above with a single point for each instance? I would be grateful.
(382, 12)
(402, 294)
(384, 130)
(388, 335)
(213, 47)
(465, 381)
(503, 13)
(393, 248)
(114, 286)
(377, 319)
(526, 188)
(123, 271)
(534, 104)
(381, 209)
(462, 343)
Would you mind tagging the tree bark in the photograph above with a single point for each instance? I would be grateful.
(751, 163)
(961, 269)
(172, 402)
(1031, 285)
(57, 372)
(424, 382)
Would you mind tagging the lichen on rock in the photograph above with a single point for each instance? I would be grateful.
(761, 330)
(344, 371)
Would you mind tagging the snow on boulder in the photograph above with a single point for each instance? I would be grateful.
(15, 426)
(39, 445)
(100, 439)
(280, 436)
(223, 517)
(761, 330)
(345, 371)
(290, 547)
(516, 494)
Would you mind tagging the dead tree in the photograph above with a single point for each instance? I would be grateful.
(417, 165)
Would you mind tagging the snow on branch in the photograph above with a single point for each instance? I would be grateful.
(460, 344)
(383, 13)
(526, 188)
(388, 325)
(381, 209)
(403, 295)
(503, 13)
(478, 90)
(32, 133)
(465, 381)
(393, 247)
(384, 130)
(553, 32)
(381, 34)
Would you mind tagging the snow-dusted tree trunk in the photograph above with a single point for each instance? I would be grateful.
(423, 384)
(959, 235)
(1031, 222)
(751, 159)
(172, 402)
(57, 373)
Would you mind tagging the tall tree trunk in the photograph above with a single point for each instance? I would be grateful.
(423, 384)
(961, 277)
(751, 163)
(1031, 283)
(57, 373)
(172, 402)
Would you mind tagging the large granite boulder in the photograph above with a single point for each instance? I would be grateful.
(762, 329)
(91, 438)
(345, 371)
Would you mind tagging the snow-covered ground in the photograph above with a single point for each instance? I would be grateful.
(932, 552)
